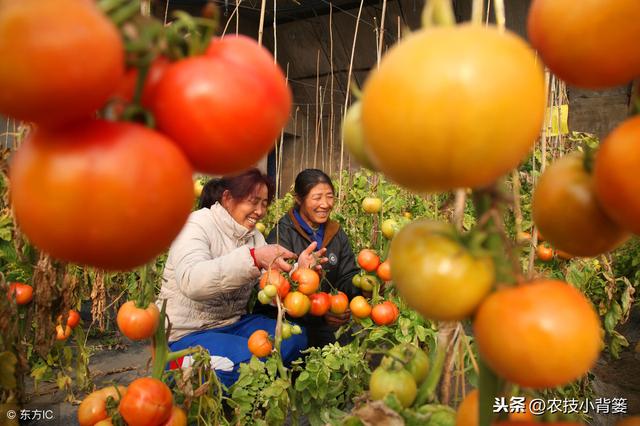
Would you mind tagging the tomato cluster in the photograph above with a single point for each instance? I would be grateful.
(113, 195)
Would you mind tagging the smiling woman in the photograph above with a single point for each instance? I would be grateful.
(212, 268)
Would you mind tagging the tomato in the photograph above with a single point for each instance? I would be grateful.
(367, 282)
(123, 192)
(177, 418)
(138, 323)
(73, 318)
(616, 164)
(23, 293)
(286, 330)
(384, 270)
(359, 307)
(105, 422)
(353, 137)
(276, 279)
(533, 423)
(259, 344)
(372, 205)
(566, 210)
(94, 408)
(629, 421)
(397, 381)
(297, 304)
(389, 228)
(56, 67)
(62, 333)
(270, 290)
(307, 279)
(368, 260)
(205, 103)
(414, 359)
(544, 253)
(538, 335)
(436, 275)
(596, 47)
(383, 314)
(440, 95)
(264, 298)
(148, 401)
(396, 311)
(467, 414)
(523, 238)
(339, 303)
(356, 280)
(320, 303)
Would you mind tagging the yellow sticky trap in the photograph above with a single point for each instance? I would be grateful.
(559, 120)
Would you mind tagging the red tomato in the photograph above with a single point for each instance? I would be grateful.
(544, 253)
(62, 333)
(23, 293)
(148, 401)
(109, 195)
(339, 303)
(538, 335)
(56, 67)
(368, 260)
(225, 109)
(73, 318)
(597, 44)
(275, 278)
(127, 87)
(383, 313)
(384, 270)
(137, 323)
(617, 162)
(359, 307)
(94, 409)
(259, 343)
(178, 417)
(297, 304)
(320, 303)
(307, 279)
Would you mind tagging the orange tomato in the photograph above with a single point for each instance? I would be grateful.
(451, 86)
(544, 253)
(368, 260)
(384, 313)
(384, 271)
(148, 401)
(629, 421)
(538, 335)
(616, 164)
(275, 278)
(93, 408)
(23, 293)
(297, 304)
(467, 414)
(307, 279)
(597, 44)
(62, 333)
(178, 417)
(259, 343)
(137, 323)
(359, 307)
(339, 303)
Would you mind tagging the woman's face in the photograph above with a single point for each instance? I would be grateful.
(317, 205)
(249, 211)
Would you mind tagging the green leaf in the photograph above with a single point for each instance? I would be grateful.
(612, 317)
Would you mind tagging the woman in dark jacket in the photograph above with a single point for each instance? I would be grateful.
(306, 222)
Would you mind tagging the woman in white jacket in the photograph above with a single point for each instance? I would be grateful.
(212, 268)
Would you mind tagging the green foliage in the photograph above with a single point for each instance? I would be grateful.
(330, 378)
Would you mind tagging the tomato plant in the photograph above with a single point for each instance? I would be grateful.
(57, 82)
(320, 303)
(451, 86)
(297, 304)
(368, 260)
(414, 360)
(538, 335)
(389, 380)
(23, 293)
(616, 162)
(359, 307)
(201, 102)
(307, 279)
(259, 343)
(148, 401)
(595, 46)
(276, 279)
(435, 274)
(339, 303)
(107, 181)
(566, 210)
(138, 323)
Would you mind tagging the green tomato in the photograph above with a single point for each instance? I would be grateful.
(356, 280)
(296, 329)
(397, 381)
(286, 330)
(367, 282)
(263, 297)
(415, 360)
(270, 290)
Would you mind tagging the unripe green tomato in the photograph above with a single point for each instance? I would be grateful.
(264, 297)
(286, 330)
(270, 290)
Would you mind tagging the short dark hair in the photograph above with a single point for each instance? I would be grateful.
(307, 179)
(240, 186)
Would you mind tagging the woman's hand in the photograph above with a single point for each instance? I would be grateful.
(310, 259)
(273, 256)
(336, 320)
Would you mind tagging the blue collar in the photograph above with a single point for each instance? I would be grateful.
(317, 236)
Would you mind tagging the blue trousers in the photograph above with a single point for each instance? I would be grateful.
(228, 345)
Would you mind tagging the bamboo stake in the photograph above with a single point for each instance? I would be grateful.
(295, 138)
(318, 89)
(458, 211)
(321, 127)
(381, 40)
(308, 140)
(501, 20)
(166, 13)
(263, 9)
(477, 11)
(331, 106)
(238, 16)
(235, 13)
(346, 96)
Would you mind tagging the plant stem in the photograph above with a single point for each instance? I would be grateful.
(477, 12)
(160, 346)
(438, 13)
(427, 390)
(488, 389)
